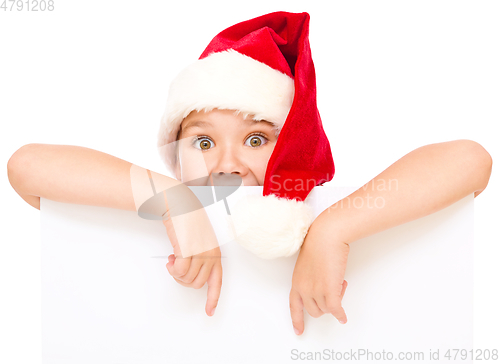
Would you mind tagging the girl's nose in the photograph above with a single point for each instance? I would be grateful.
(230, 162)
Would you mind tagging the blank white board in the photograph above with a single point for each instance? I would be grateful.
(107, 296)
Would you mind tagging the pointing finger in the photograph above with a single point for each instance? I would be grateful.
(335, 308)
(297, 312)
(214, 287)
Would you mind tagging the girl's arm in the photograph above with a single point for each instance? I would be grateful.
(424, 181)
(84, 176)
(72, 174)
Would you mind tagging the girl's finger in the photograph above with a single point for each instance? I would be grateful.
(344, 286)
(312, 307)
(321, 302)
(175, 263)
(203, 273)
(297, 311)
(181, 266)
(196, 262)
(177, 280)
(335, 307)
(214, 282)
(169, 266)
(180, 282)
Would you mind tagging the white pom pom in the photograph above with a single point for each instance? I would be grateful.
(270, 226)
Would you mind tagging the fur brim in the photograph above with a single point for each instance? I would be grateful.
(270, 226)
(225, 80)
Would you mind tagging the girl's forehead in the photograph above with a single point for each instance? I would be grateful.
(213, 117)
(220, 112)
(221, 118)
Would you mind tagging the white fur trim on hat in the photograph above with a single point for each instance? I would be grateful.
(225, 80)
(270, 226)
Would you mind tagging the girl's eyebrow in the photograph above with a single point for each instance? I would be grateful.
(202, 123)
(261, 121)
(197, 123)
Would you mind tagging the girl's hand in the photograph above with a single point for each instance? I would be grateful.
(194, 271)
(318, 278)
(197, 257)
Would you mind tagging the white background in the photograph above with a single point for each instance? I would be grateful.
(392, 76)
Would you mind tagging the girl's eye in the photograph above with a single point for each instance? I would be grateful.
(256, 140)
(204, 145)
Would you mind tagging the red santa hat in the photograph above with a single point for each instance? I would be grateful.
(262, 67)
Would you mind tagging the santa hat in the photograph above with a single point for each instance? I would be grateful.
(262, 67)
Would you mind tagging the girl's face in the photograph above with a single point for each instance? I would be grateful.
(224, 143)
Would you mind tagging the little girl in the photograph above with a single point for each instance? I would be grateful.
(260, 123)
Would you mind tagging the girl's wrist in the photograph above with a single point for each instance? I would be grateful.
(331, 223)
